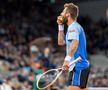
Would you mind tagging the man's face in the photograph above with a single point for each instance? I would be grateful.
(64, 14)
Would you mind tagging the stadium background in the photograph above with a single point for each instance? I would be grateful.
(28, 40)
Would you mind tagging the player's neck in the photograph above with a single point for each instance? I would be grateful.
(70, 21)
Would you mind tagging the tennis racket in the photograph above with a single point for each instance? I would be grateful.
(49, 77)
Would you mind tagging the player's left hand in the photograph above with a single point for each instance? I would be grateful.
(65, 66)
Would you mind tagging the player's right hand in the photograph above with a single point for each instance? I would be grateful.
(65, 66)
(60, 20)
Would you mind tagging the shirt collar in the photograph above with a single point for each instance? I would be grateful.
(72, 23)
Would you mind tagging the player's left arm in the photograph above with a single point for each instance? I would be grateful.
(73, 47)
(73, 37)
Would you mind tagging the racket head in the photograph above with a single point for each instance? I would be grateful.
(48, 78)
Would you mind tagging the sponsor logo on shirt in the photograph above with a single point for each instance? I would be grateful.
(71, 30)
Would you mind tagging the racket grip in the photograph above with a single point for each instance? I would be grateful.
(74, 61)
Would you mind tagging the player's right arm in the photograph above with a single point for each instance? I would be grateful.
(61, 40)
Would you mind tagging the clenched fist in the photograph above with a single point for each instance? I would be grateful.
(60, 20)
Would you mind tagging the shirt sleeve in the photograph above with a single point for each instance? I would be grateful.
(73, 34)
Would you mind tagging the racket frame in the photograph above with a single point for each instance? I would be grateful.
(37, 83)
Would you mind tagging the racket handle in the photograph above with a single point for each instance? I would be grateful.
(74, 61)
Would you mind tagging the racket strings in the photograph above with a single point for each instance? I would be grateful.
(48, 78)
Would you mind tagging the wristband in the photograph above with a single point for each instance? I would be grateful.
(68, 58)
(61, 27)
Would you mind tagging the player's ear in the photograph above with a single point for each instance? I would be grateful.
(67, 14)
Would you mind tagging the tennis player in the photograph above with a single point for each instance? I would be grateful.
(75, 41)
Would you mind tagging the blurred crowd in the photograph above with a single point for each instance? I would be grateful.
(98, 77)
(21, 22)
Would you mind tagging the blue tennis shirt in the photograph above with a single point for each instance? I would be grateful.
(75, 31)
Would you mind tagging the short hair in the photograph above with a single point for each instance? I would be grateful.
(72, 9)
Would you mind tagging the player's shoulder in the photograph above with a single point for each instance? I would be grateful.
(75, 26)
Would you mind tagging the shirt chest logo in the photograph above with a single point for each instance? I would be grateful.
(71, 30)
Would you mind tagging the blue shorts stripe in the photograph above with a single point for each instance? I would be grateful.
(76, 78)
